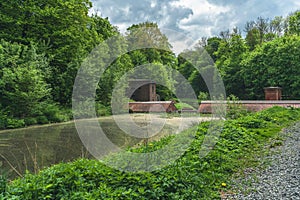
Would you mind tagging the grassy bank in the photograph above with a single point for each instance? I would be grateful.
(241, 142)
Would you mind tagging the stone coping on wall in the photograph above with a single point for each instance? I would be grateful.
(251, 105)
(256, 102)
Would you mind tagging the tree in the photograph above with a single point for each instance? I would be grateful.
(262, 25)
(156, 49)
(277, 25)
(263, 30)
(230, 55)
(196, 66)
(22, 81)
(275, 63)
(64, 26)
(252, 38)
(103, 27)
(293, 23)
(115, 70)
(212, 46)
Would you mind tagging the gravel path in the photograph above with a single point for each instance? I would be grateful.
(281, 179)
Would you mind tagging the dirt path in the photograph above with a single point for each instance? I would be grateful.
(155, 125)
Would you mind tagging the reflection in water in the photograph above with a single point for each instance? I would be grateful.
(35, 148)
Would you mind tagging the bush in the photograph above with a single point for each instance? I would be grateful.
(3, 120)
(235, 109)
(3, 184)
(42, 120)
(102, 110)
(52, 112)
(15, 123)
(42, 114)
(252, 122)
(180, 106)
(30, 121)
(203, 96)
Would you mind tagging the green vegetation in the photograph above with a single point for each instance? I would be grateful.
(279, 59)
(267, 56)
(43, 44)
(234, 108)
(241, 143)
(180, 106)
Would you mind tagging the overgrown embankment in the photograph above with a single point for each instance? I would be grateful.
(239, 146)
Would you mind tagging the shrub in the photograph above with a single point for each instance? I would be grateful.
(3, 183)
(235, 108)
(252, 122)
(15, 123)
(203, 96)
(30, 121)
(3, 120)
(102, 110)
(180, 106)
(42, 120)
(52, 112)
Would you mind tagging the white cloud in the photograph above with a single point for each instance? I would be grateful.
(132, 12)
(204, 19)
(197, 17)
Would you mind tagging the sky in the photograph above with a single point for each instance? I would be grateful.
(195, 18)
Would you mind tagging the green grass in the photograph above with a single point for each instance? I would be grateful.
(180, 106)
(241, 142)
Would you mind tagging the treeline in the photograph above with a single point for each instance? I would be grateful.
(43, 44)
(268, 55)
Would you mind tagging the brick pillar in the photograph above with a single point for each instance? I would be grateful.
(272, 93)
(152, 92)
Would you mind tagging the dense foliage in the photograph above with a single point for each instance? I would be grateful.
(63, 27)
(241, 142)
(43, 44)
(275, 63)
(25, 94)
(267, 56)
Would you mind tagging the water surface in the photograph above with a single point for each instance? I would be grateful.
(35, 148)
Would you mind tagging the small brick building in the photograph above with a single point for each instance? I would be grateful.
(272, 93)
(142, 90)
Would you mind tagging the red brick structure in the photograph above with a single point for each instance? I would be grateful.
(272, 93)
(206, 106)
(142, 90)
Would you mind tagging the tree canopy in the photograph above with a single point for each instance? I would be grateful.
(44, 43)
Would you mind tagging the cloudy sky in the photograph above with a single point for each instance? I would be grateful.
(196, 18)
